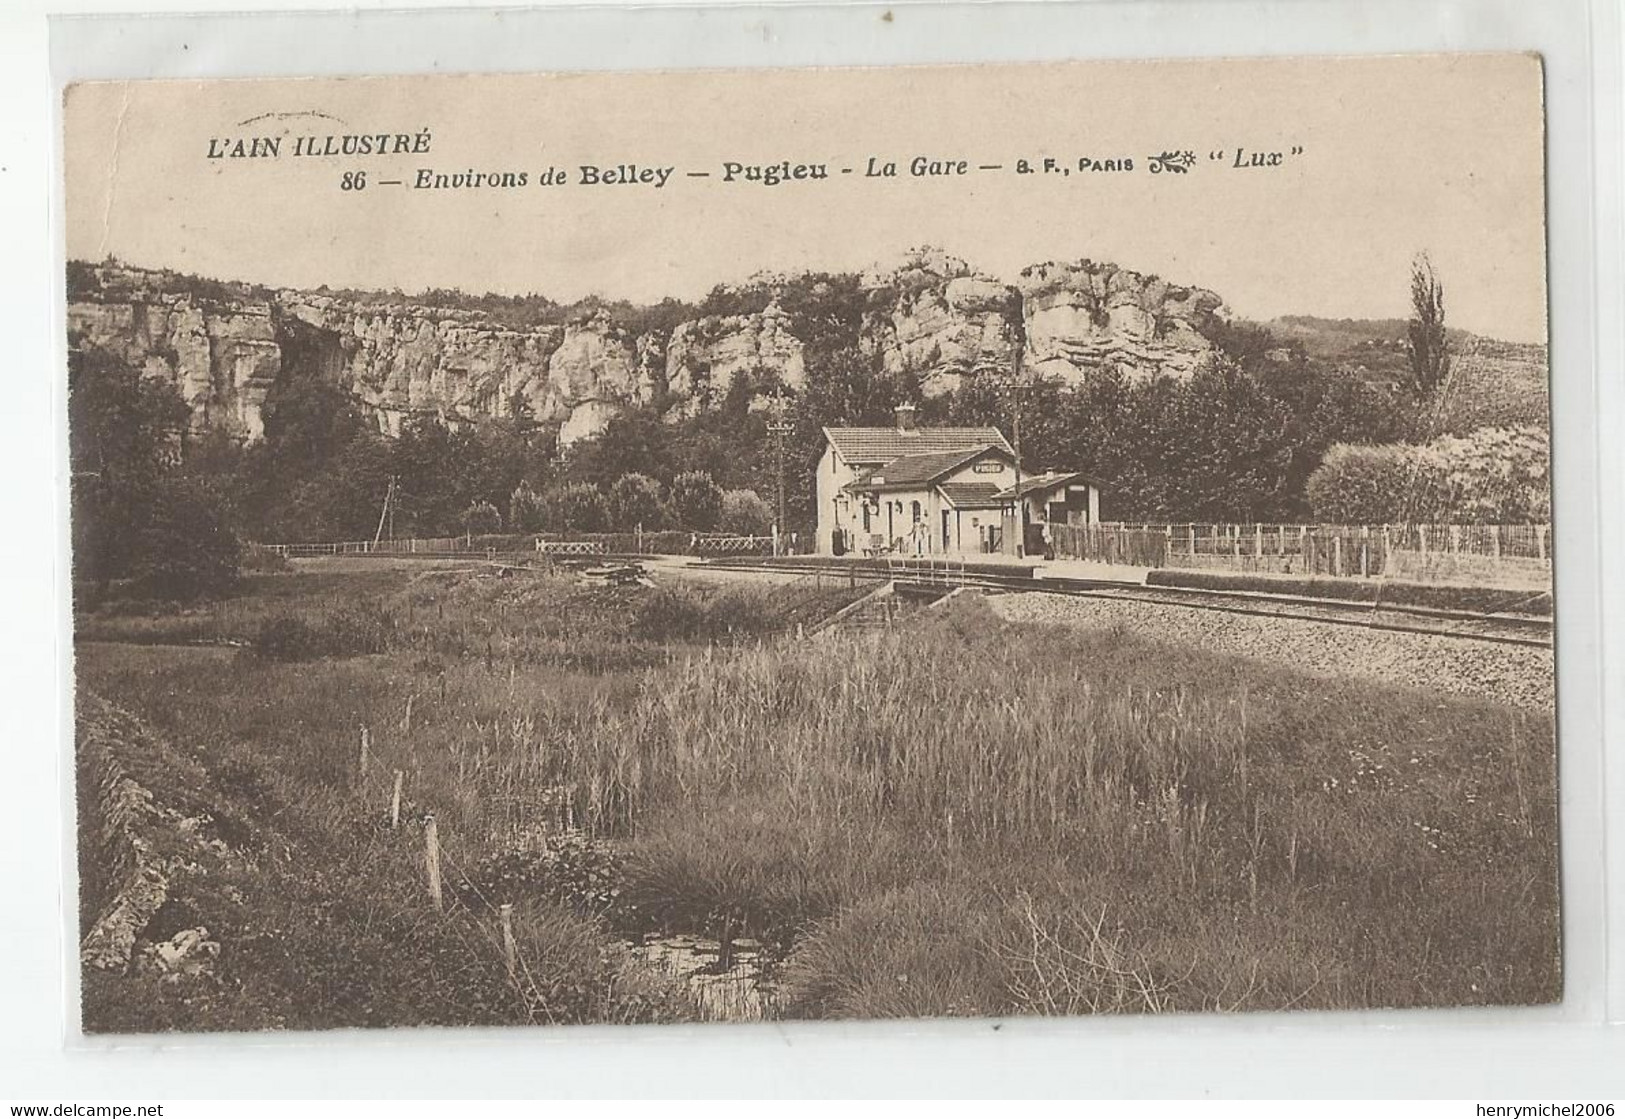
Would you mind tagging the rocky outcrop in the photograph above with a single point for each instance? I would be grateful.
(707, 357)
(1083, 315)
(936, 319)
(224, 360)
(229, 347)
(397, 359)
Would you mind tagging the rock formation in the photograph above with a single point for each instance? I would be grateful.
(932, 317)
(707, 355)
(935, 318)
(1082, 316)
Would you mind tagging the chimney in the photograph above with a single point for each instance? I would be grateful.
(905, 417)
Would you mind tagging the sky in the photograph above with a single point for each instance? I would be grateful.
(1398, 155)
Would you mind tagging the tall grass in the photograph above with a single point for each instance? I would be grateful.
(1016, 819)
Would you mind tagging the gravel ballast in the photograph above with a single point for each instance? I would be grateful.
(1519, 675)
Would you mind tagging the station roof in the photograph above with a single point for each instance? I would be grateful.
(915, 471)
(971, 495)
(1047, 481)
(872, 446)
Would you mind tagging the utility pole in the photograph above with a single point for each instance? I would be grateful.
(779, 427)
(1012, 386)
(387, 513)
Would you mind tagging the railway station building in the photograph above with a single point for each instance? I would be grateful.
(914, 490)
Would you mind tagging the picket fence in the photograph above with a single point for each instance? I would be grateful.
(1427, 552)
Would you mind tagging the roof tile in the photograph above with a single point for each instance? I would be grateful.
(971, 495)
(871, 446)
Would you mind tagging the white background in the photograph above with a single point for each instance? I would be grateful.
(1555, 1053)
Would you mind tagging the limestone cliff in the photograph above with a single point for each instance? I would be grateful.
(226, 347)
(1083, 315)
(706, 357)
(397, 359)
(937, 319)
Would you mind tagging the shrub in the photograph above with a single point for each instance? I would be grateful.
(481, 517)
(525, 509)
(745, 512)
(696, 501)
(1491, 476)
(1358, 485)
(635, 500)
(575, 507)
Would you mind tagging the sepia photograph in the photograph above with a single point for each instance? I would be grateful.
(725, 546)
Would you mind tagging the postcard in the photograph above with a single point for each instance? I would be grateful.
(720, 546)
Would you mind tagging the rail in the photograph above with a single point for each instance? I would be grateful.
(1508, 629)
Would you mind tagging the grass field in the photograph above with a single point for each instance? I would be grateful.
(957, 816)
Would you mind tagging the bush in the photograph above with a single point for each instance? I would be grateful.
(634, 500)
(1358, 485)
(575, 507)
(1481, 600)
(1491, 476)
(745, 512)
(696, 501)
(525, 510)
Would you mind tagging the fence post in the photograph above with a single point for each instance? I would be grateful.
(1387, 551)
(1455, 539)
(510, 948)
(1540, 541)
(395, 802)
(366, 744)
(1337, 554)
(431, 860)
(1258, 541)
(1365, 549)
(1495, 543)
(1422, 536)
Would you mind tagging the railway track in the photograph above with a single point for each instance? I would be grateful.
(1502, 629)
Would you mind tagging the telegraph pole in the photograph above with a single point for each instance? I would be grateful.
(387, 513)
(779, 427)
(1012, 386)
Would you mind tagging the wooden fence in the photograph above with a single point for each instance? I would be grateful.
(584, 543)
(1494, 554)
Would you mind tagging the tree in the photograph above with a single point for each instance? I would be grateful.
(575, 507)
(1430, 348)
(634, 500)
(746, 513)
(136, 514)
(183, 545)
(696, 501)
(481, 517)
(525, 510)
